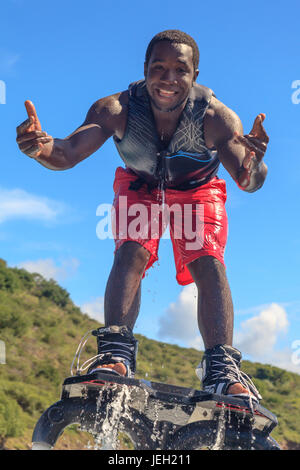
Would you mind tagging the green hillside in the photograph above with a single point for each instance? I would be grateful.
(41, 328)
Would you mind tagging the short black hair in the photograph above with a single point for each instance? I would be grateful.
(175, 36)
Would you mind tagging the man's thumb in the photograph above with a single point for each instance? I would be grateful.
(32, 114)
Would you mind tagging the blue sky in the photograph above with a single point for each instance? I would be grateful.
(64, 56)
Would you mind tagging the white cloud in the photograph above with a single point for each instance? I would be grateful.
(95, 309)
(48, 269)
(250, 311)
(19, 204)
(179, 321)
(258, 335)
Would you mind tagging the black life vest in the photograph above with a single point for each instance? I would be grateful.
(186, 162)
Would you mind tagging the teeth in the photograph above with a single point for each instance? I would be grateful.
(169, 93)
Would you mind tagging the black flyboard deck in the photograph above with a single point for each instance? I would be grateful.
(157, 415)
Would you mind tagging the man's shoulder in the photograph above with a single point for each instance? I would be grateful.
(110, 112)
(220, 121)
(113, 105)
(220, 113)
(217, 107)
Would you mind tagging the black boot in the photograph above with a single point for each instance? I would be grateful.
(117, 350)
(220, 368)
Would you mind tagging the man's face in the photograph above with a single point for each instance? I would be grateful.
(170, 74)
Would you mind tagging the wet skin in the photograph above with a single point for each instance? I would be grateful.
(169, 77)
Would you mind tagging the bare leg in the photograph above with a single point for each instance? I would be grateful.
(215, 308)
(123, 290)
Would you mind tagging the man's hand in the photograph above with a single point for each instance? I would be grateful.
(30, 138)
(255, 144)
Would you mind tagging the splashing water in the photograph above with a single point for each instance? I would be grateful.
(114, 413)
(107, 438)
(155, 431)
(220, 432)
(161, 193)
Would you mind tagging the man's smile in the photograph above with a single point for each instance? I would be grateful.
(166, 93)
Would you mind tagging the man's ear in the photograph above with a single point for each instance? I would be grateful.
(145, 69)
(196, 74)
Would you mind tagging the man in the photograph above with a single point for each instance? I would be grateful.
(172, 135)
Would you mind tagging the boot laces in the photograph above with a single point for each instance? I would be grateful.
(109, 351)
(232, 372)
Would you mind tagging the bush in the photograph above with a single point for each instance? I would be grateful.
(11, 424)
(12, 279)
(52, 291)
(8, 280)
(47, 371)
(25, 279)
(19, 322)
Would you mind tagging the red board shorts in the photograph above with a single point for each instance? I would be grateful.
(197, 220)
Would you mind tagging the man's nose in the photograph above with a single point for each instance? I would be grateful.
(169, 76)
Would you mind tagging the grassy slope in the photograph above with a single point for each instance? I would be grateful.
(41, 328)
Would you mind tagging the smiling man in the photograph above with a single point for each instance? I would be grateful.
(172, 134)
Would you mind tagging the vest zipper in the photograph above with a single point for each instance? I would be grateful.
(161, 169)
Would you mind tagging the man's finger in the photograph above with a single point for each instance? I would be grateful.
(258, 129)
(257, 123)
(263, 135)
(249, 161)
(253, 144)
(32, 114)
(22, 128)
(23, 146)
(246, 169)
(257, 142)
(244, 177)
(30, 136)
(33, 151)
(258, 150)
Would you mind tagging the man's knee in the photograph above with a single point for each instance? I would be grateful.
(205, 267)
(132, 254)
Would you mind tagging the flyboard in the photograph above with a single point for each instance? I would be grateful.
(155, 416)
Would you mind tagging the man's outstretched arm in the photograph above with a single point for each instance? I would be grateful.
(62, 154)
(241, 155)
